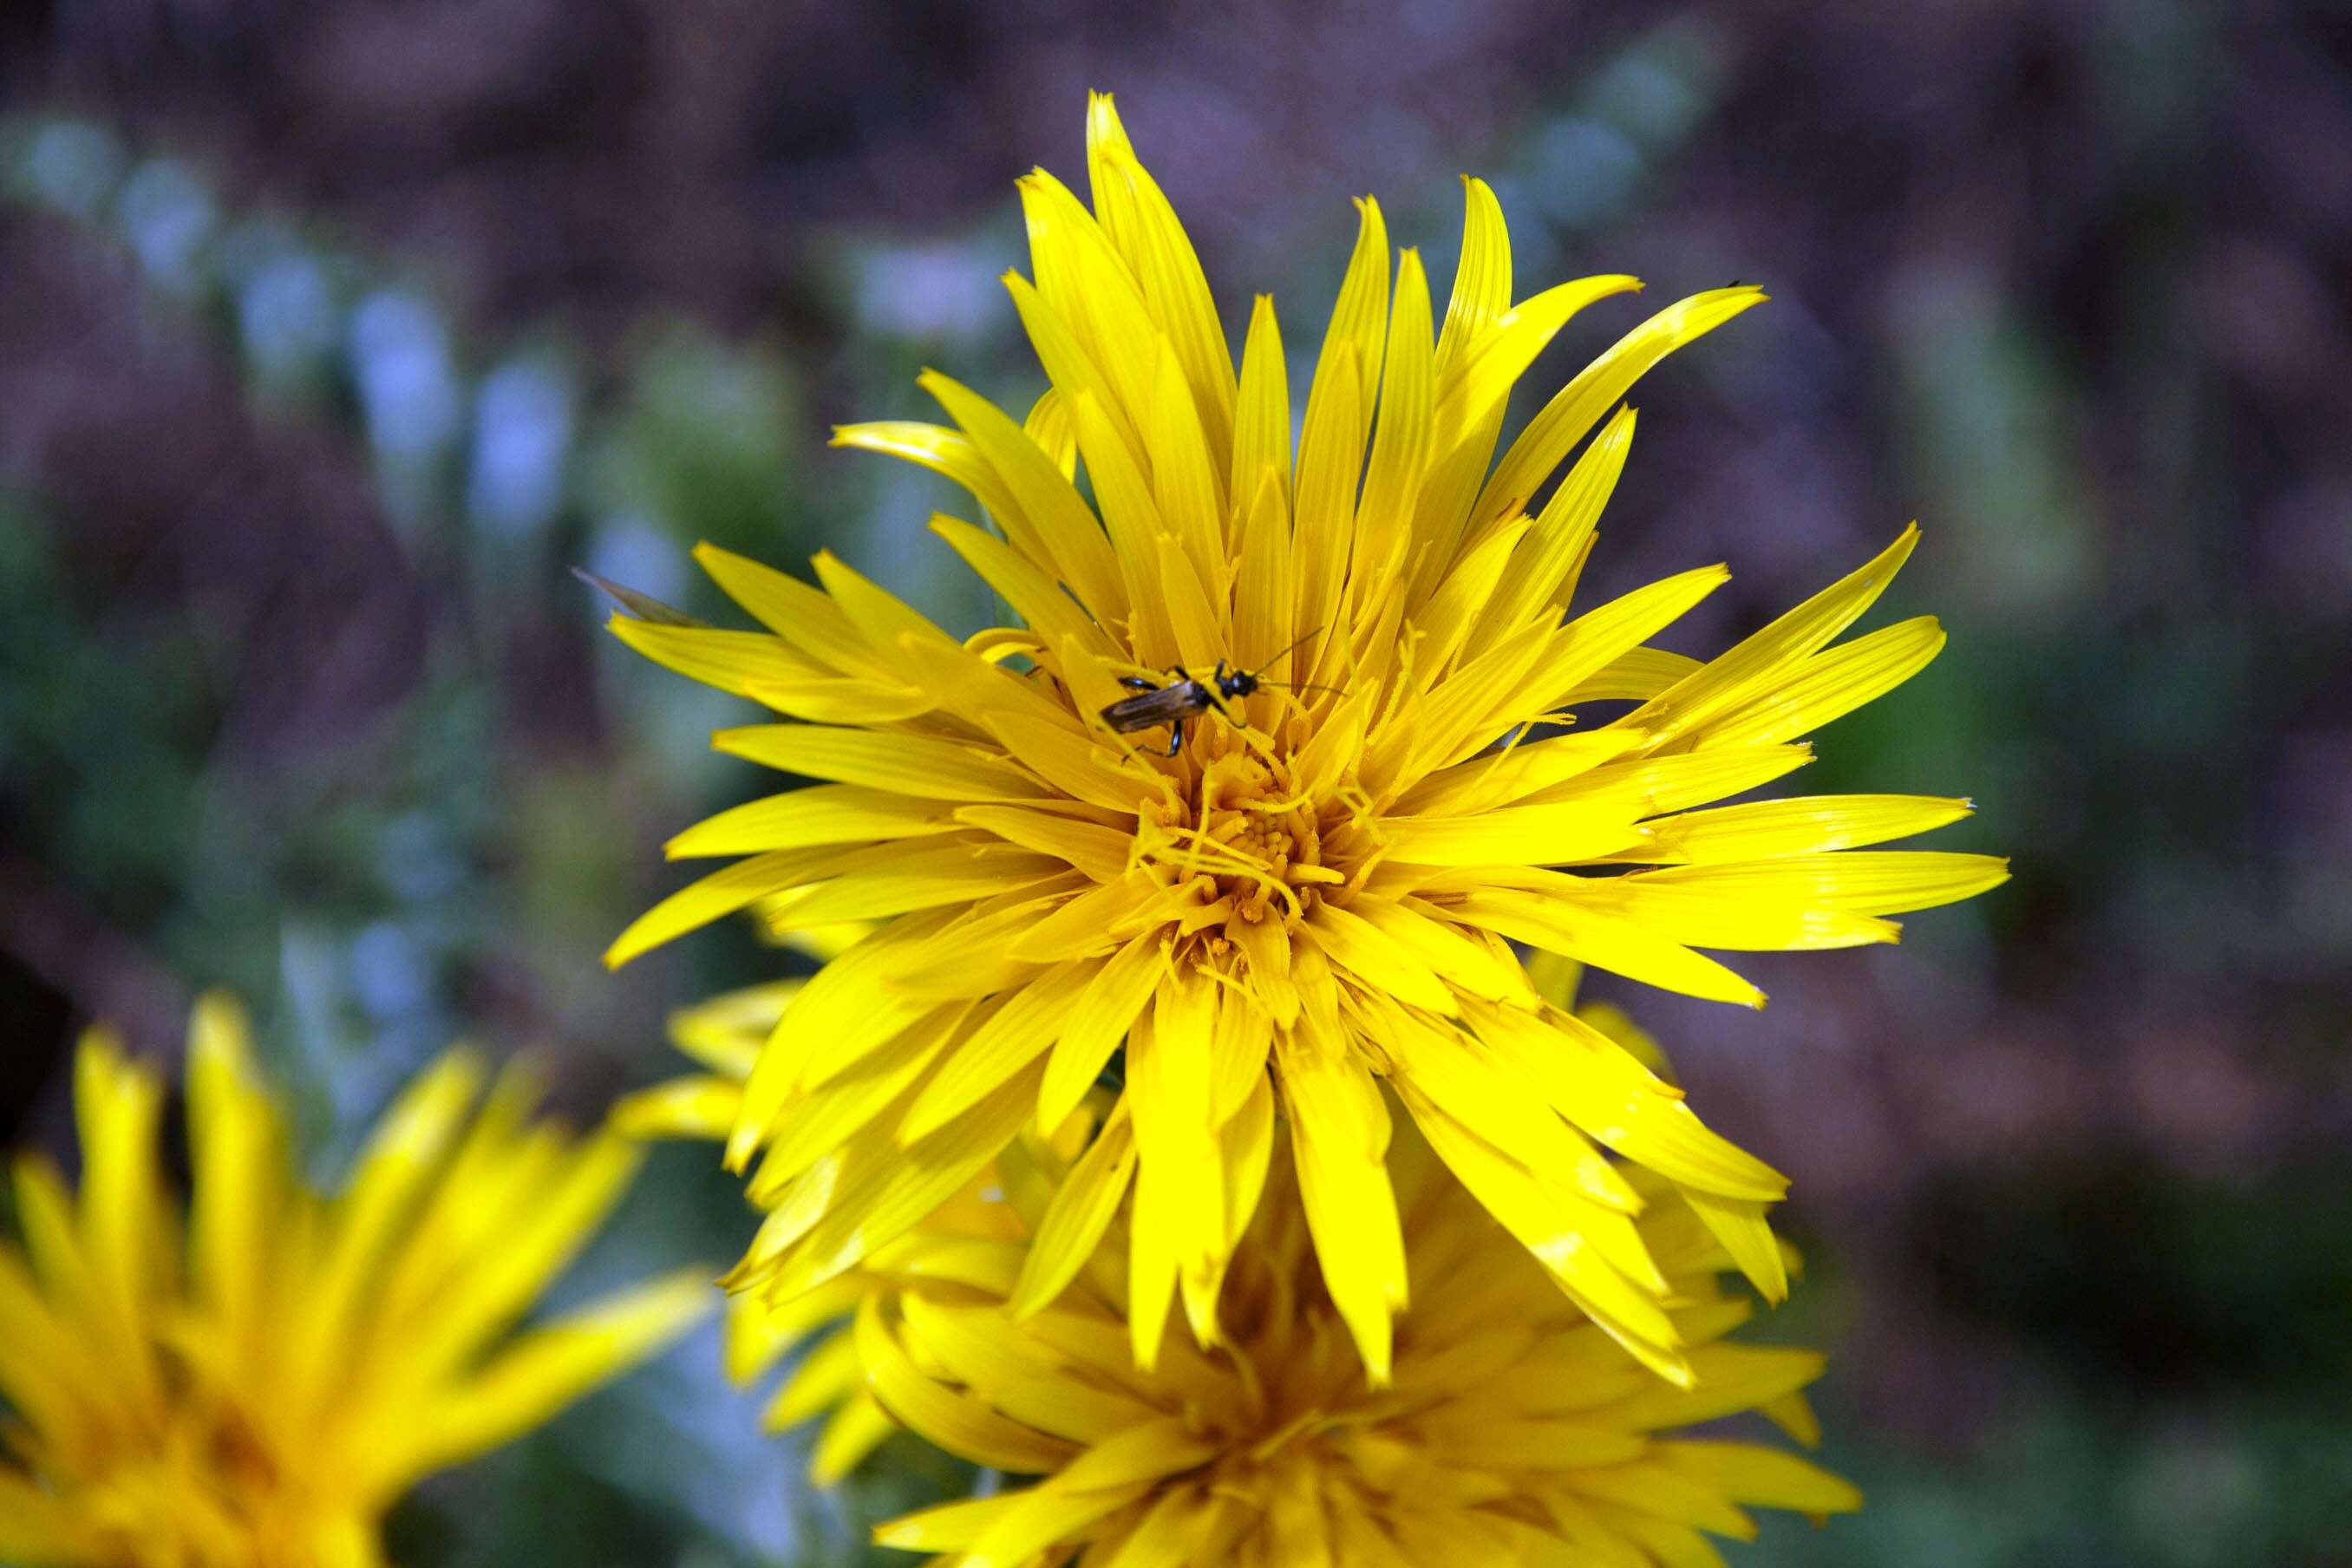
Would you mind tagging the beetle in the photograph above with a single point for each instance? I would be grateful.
(1186, 697)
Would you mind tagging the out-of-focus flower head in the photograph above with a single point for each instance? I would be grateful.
(253, 1386)
(724, 1036)
(1511, 1429)
(1313, 887)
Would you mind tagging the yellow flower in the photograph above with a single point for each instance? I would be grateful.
(1032, 1222)
(1318, 892)
(253, 1388)
(1510, 1431)
(724, 1034)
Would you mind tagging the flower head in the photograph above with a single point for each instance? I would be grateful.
(1315, 887)
(254, 1387)
(1511, 1430)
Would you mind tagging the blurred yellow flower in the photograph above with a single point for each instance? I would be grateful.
(1038, 1217)
(1511, 1430)
(254, 1387)
(1315, 888)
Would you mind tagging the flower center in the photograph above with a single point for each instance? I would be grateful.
(1241, 836)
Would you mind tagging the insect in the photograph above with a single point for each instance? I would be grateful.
(1187, 697)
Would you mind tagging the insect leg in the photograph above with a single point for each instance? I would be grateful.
(1137, 683)
(1175, 736)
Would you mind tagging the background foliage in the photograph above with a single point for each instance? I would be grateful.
(331, 334)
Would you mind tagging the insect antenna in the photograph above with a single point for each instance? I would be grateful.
(1276, 655)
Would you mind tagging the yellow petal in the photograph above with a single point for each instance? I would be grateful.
(960, 1425)
(821, 1115)
(547, 1368)
(1700, 915)
(1554, 1225)
(947, 1526)
(1100, 852)
(1653, 786)
(1555, 431)
(1092, 924)
(820, 814)
(1538, 1443)
(1805, 825)
(1246, 1144)
(566, 1208)
(882, 1189)
(1032, 591)
(1606, 943)
(1080, 1213)
(1195, 617)
(1266, 588)
(1090, 286)
(1635, 676)
(1144, 228)
(1858, 882)
(1590, 642)
(1827, 686)
(1058, 337)
(915, 765)
(1401, 440)
(1008, 1039)
(1339, 403)
(1379, 959)
(1494, 362)
(696, 1106)
(1099, 1021)
(1539, 572)
(1049, 427)
(1482, 277)
(1464, 965)
(1764, 1476)
(951, 453)
(1548, 835)
(1049, 521)
(1081, 765)
(921, 874)
(118, 1108)
(731, 662)
(1497, 1097)
(803, 615)
(720, 894)
(1588, 1079)
(1740, 1225)
(837, 1018)
(1338, 1138)
(1262, 416)
(238, 1155)
(1757, 664)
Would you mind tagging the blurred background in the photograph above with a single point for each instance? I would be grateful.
(331, 334)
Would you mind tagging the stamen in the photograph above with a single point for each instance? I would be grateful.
(1241, 864)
